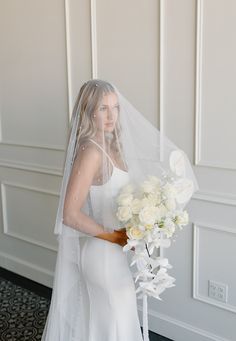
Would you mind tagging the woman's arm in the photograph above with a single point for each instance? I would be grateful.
(83, 171)
(85, 166)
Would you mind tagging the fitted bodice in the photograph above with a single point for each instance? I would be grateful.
(103, 196)
(118, 179)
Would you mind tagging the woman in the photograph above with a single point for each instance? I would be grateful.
(111, 288)
(107, 305)
(110, 144)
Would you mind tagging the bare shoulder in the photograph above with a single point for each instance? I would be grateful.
(89, 152)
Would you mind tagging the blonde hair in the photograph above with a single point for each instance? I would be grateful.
(89, 98)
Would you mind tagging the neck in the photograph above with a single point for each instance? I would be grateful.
(103, 137)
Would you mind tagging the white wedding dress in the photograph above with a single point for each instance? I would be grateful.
(108, 289)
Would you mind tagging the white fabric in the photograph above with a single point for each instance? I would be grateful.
(110, 287)
(108, 283)
(118, 179)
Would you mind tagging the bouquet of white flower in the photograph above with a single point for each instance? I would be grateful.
(151, 214)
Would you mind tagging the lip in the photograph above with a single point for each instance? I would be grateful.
(109, 124)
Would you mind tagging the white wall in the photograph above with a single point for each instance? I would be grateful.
(174, 60)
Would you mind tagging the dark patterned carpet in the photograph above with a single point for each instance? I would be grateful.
(24, 306)
(22, 313)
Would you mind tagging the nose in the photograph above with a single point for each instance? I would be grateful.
(110, 114)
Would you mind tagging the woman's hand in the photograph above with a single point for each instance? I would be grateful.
(117, 236)
(121, 237)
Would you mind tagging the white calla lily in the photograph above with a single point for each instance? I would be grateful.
(177, 162)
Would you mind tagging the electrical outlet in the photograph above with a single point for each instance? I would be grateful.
(218, 291)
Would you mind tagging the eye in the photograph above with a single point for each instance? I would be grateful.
(102, 108)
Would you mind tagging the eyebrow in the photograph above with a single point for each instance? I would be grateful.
(105, 105)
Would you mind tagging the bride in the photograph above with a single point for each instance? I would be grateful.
(94, 295)
(111, 145)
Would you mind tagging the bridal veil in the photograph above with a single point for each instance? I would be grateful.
(106, 133)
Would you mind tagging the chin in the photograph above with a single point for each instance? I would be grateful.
(109, 129)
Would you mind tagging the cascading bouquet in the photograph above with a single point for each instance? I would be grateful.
(151, 213)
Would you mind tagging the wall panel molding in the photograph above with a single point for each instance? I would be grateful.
(198, 77)
(161, 75)
(69, 92)
(68, 58)
(196, 295)
(47, 161)
(215, 197)
(198, 160)
(37, 146)
(6, 229)
(94, 50)
(31, 168)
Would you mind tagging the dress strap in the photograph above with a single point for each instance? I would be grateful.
(104, 152)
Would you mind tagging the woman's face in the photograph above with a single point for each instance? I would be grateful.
(107, 113)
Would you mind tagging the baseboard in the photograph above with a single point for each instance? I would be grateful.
(26, 269)
(39, 289)
(175, 329)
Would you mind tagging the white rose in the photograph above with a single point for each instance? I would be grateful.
(148, 186)
(170, 204)
(158, 197)
(155, 181)
(134, 220)
(149, 215)
(136, 206)
(182, 218)
(127, 189)
(153, 199)
(124, 199)
(150, 200)
(163, 210)
(169, 190)
(169, 227)
(147, 227)
(145, 202)
(124, 213)
(135, 233)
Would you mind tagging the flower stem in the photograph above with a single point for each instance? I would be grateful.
(149, 257)
(147, 249)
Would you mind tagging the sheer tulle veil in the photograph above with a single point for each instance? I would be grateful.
(104, 125)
